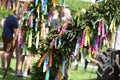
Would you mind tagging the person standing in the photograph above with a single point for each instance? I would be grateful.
(66, 15)
(55, 20)
(9, 36)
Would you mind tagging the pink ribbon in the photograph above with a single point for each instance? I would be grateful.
(83, 39)
(101, 27)
(96, 43)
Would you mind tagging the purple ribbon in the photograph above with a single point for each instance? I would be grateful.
(83, 39)
(101, 27)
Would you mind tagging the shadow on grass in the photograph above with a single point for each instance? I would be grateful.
(11, 76)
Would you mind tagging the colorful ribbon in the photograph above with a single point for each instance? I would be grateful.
(77, 47)
(101, 27)
(47, 74)
(46, 62)
(30, 40)
(112, 27)
(42, 59)
(63, 68)
(44, 7)
(37, 39)
(87, 36)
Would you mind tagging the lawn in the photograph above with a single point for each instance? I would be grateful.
(73, 74)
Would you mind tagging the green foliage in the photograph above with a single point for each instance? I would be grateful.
(103, 10)
(75, 5)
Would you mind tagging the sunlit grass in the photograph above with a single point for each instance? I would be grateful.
(73, 74)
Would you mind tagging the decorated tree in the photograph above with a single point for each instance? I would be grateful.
(90, 29)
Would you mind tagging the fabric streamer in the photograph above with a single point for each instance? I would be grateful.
(112, 27)
(52, 42)
(88, 57)
(36, 2)
(58, 29)
(44, 7)
(94, 25)
(37, 39)
(99, 0)
(55, 42)
(59, 42)
(29, 12)
(25, 7)
(49, 17)
(30, 40)
(60, 73)
(38, 11)
(42, 59)
(24, 52)
(101, 27)
(63, 68)
(63, 29)
(21, 40)
(36, 25)
(18, 7)
(46, 62)
(47, 74)
(83, 39)
(96, 44)
(87, 36)
(77, 47)
(31, 20)
(3, 4)
(50, 61)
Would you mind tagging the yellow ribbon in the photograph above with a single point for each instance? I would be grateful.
(113, 25)
(38, 10)
(3, 4)
(87, 36)
(30, 40)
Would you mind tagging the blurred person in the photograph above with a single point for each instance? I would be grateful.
(66, 15)
(9, 36)
(55, 20)
(22, 58)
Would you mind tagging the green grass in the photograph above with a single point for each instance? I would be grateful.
(73, 74)
(82, 75)
(11, 74)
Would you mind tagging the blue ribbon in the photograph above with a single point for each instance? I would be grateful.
(47, 74)
(77, 46)
(63, 68)
(29, 12)
(95, 23)
(45, 65)
(60, 42)
(44, 7)
(36, 2)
